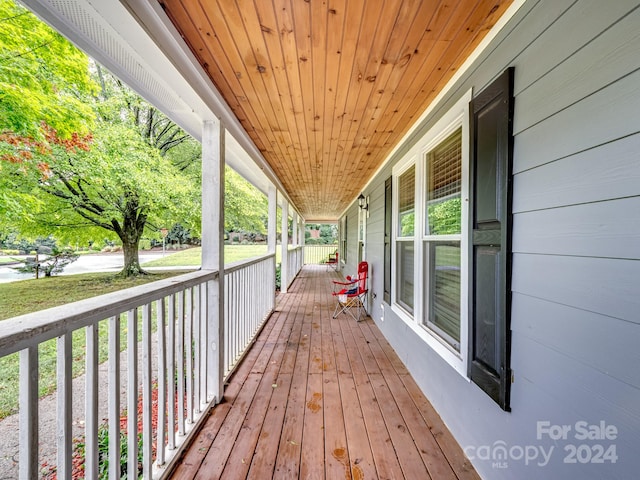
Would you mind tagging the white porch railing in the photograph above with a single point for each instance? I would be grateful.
(173, 362)
(250, 288)
(295, 261)
(316, 254)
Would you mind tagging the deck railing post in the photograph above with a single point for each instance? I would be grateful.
(114, 397)
(132, 393)
(29, 413)
(91, 402)
(64, 399)
(284, 267)
(213, 163)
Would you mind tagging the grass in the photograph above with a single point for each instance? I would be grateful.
(6, 260)
(18, 298)
(192, 257)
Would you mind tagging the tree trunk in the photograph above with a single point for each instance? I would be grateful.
(130, 232)
(131, 260)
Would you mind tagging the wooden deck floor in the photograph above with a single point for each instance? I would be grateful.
(322, 398)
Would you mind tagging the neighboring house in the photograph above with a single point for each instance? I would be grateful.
(503, 238)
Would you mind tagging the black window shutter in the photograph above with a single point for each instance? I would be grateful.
(387, 240)
(490, 216)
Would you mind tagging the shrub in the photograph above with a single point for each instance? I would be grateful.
(51, 265)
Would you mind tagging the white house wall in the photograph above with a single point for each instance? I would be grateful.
(576, 247)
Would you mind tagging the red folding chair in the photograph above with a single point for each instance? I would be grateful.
(351, 295)
(332, 261)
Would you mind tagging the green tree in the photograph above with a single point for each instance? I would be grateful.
(43, 78)
(113, 181)
(245, 207)
(138, 171)
(44, 81)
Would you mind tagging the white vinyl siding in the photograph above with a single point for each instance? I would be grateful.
(576, 240)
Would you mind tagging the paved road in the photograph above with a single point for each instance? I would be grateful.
(107, 262)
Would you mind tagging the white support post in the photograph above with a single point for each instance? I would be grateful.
(284, 271)
(114, 397)
(294, 229)
(132, 393)
(64, 406)
(213, 163)
(273, 220)
(91, 403)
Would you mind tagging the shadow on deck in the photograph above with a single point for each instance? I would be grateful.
(322, 398)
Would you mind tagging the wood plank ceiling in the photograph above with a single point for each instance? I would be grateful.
(326, 88)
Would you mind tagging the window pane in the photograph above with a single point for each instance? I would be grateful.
(404, 279)
(444, 174)
(406, 202)
(443, 296)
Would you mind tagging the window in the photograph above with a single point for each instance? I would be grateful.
(405, 229)
(431, 235)
(443, 229)
(362, 234)
(452, 237)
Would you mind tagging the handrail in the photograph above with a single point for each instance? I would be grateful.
(177, 358)
(248, 262)
(318, 253)
(50, 323)
(295, 258)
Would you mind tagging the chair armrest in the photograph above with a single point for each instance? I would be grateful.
(335, 282)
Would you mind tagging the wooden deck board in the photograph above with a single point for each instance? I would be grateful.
(322, 398)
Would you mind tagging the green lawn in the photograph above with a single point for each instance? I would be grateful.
(25, 296)
(18, 298)
(192, 257)
(4, 260)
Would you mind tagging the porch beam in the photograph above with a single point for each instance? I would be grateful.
(213, 163)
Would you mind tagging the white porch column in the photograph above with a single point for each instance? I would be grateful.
(284, 271)
(272, 224)
(294, 228)
(213, 163)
